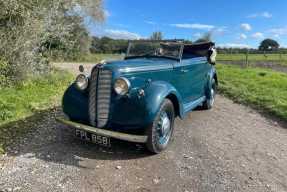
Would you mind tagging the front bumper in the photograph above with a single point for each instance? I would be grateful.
(103, 132)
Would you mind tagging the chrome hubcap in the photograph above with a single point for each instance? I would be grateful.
(164, 128)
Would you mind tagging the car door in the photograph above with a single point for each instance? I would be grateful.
(198, 75)
(189, 78)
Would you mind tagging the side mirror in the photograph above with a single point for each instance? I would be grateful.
(81, 68)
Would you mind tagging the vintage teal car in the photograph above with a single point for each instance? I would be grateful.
(138, 98)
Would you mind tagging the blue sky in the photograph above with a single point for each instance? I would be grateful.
(236, 23)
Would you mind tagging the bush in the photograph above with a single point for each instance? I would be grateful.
(33, 29)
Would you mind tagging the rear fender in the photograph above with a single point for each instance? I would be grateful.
(211, 75)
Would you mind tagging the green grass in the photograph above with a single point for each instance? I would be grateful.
(276, 58)
(29, 98)
(263, 89)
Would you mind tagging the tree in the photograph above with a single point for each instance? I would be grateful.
(31, 28)
(108, 45)
(268, 45)
(156, 35)
(205, 38)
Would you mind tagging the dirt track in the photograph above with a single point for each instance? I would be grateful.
(229, 148)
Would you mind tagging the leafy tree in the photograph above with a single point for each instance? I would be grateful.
(268, 45)
(156, 35)
(31, 30)
(75, 43)
(108, 45)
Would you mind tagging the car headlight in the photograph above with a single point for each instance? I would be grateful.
(122, 86)
(82, 82)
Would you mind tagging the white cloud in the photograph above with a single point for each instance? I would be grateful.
(219, 30)
(279, 31)
(246, 27)
(198, 35)
(242, 36)
(121, 34)
(233, 45)
(265, 14)
(257, 35)
(193, 26)
(150, 22)
(276, 36)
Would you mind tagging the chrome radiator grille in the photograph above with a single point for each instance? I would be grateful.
(99, 96)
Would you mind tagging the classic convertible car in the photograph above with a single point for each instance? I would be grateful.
(138, 98)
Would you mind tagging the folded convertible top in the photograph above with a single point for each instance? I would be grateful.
(198, 49)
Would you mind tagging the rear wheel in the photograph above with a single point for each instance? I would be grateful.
(209, 102)
(160, 132)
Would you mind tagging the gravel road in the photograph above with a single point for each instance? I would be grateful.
(228, 148)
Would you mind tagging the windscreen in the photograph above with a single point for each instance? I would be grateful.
(154, 49)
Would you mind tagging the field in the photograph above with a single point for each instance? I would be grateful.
(275, 59)
(279, 59)
(263, 89)
(94, 58)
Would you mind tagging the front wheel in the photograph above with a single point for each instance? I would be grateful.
(160, 132)
(209, 102)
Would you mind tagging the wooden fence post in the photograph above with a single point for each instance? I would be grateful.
(246, 58)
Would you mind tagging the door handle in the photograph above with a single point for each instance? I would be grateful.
(184, 70)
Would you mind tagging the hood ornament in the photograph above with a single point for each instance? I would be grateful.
(101, 63)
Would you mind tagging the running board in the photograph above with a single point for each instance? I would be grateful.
(192, 105)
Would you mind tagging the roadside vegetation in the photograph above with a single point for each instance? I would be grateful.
(26, 99)
(263, 89)
(33, 32)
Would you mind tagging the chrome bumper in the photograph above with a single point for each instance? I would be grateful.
(103, 132)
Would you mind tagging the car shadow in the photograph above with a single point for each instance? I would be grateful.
(41, 140)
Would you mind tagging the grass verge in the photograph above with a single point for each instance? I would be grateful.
(27, 99)
(263, 89)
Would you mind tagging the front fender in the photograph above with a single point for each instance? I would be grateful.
(155, 95)
(75, 104)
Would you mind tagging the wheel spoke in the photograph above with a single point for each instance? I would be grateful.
(164, 128)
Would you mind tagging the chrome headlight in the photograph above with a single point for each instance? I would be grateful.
(122, 86)
(82, 82)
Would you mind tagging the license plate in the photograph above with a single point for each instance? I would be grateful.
(98, 139)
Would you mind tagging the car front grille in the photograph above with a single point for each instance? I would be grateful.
(99, 96)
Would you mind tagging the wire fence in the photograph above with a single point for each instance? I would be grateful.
(271, 59)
